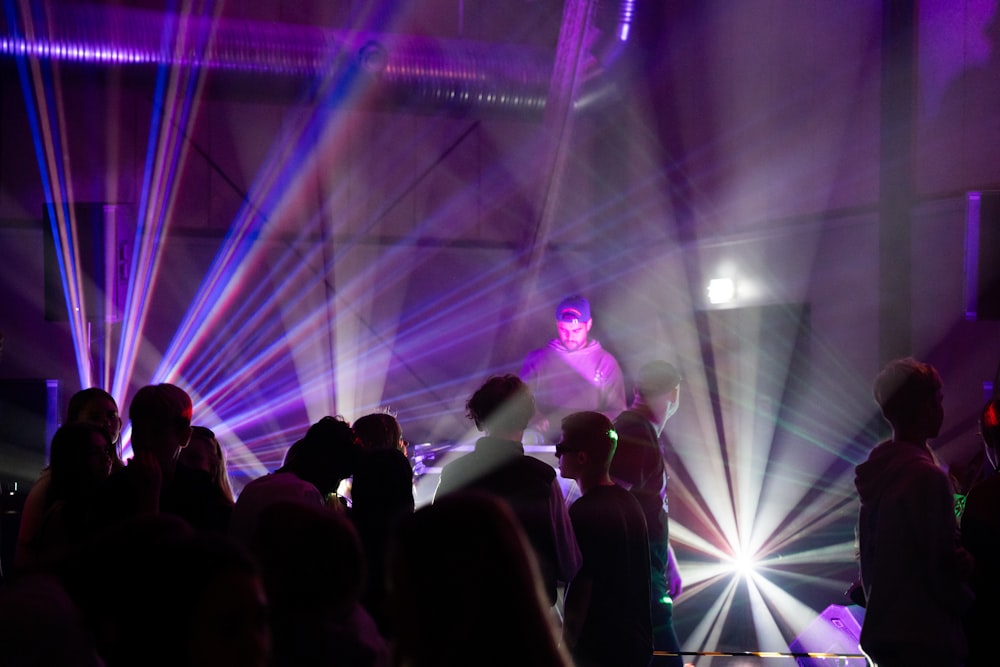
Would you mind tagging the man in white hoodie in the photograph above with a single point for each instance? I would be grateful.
(573, 373)
(914, 573)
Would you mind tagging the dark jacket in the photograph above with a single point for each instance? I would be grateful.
(914, 572)
(529, 486)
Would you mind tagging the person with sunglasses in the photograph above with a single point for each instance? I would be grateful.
(607, 616)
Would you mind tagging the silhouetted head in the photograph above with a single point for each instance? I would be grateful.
(96, 406)
(79, 459)
(503, 404)
(161, 420)
(587, 445)
(203, 452)
(658, 387)
(657, 378)
(326, 455)
(909, 393)
(379, 430)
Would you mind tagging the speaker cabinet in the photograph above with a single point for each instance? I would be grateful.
(837, 630)
(982, 255)
(29, 416)
(104, 236)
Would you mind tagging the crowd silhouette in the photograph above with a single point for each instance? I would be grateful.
(153, 561)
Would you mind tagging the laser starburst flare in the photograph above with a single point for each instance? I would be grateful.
(43, 100)
(174, 104)
(754, 519)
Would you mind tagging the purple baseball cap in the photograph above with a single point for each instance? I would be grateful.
(573, 308)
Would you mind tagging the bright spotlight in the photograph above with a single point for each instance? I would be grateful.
(721, 290)
(743, 564)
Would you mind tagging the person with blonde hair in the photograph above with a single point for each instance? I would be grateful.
(204, 452)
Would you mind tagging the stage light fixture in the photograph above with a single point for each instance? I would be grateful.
(721, 290)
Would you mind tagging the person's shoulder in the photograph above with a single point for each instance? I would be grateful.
(594, 347)
(633, 425)
(265, 484)
(597, 350)
(537, 357)
(921, 461)
(987, 488)
(616, 493)
(257, 482)
(980, 507)
(462, 470)
(526, 468)
(607, 501)
(455, 466)
(628, 417)
(538, 467)
(915, 468)
(627, 498)
(552, 346)
(630, 507)
(984, 496)
(586, 504)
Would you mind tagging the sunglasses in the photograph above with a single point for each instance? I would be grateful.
(561, 449)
